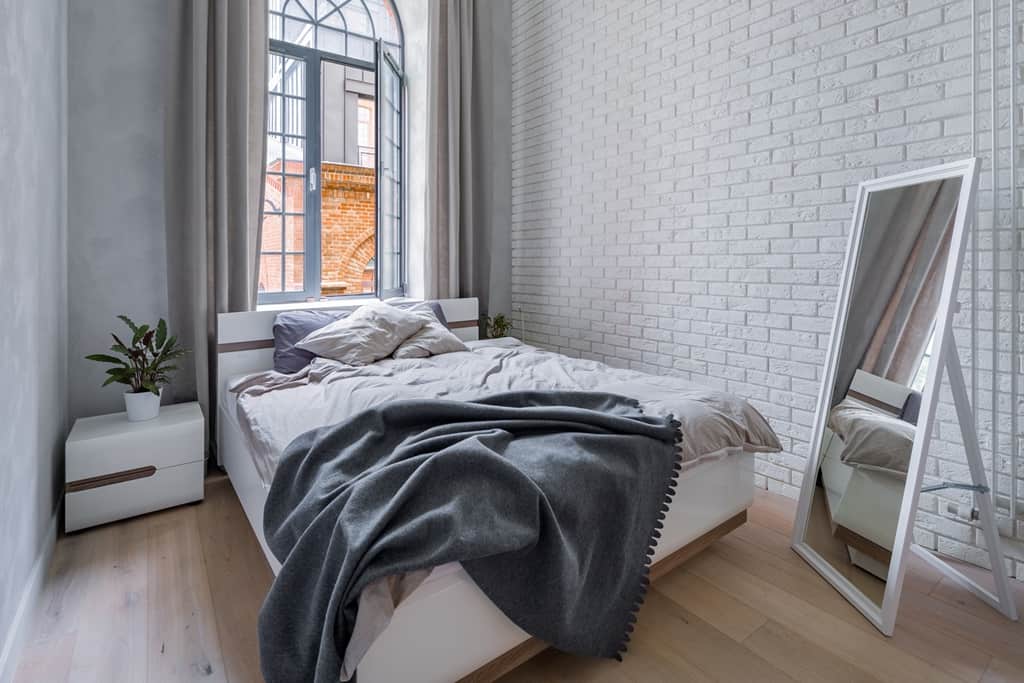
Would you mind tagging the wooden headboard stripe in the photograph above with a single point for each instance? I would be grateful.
(245, 346)
(875, 402)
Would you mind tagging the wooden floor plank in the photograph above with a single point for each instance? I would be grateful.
(800, 580)
(716, 654)
(802, 659)
(239, 578)
(852, 644)
(183, 639)
(115, 649)
(720, 610)
(1002, 672)
(174, 596)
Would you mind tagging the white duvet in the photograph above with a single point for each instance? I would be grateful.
(273, 408)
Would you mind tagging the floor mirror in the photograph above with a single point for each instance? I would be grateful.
(891, 343)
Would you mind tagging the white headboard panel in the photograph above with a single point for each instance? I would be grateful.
(245, 341)
(879, 392)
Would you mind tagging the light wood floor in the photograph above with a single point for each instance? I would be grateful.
(174, 596)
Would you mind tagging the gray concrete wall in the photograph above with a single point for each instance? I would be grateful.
(116, 243)
(33, 334)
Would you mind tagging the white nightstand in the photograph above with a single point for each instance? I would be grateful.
(116, 469)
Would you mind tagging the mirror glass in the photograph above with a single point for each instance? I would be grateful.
(882, 364)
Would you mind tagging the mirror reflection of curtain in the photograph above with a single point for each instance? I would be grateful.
(904, 245)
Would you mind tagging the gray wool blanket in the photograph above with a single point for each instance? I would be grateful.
(551, 501)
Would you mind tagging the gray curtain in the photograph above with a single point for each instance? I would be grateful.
(903, 251)
(469, 186)
(215, 152)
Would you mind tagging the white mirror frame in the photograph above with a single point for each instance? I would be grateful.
(884, 616)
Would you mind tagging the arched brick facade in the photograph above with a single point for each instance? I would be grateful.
(348, 228)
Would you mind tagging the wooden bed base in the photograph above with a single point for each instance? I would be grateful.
(520, 654)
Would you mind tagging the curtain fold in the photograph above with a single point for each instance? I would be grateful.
(468, 243)
(895, 292)
(215, 151)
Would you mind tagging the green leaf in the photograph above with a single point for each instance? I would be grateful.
(128, 321)
(152, 387)
(161, 333)
(104, 358)
(123, 348)
(140, 332)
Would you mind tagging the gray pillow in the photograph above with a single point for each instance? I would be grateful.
(406, 304)
(872, 438)
(291, 327)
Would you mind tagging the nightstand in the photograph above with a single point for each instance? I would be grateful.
(116, 469)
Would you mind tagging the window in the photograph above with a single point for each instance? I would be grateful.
(333, 198)
(921, 376)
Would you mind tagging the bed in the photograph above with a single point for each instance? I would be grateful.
(447, 629)
(863, 502)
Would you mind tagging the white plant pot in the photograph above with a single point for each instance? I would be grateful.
(142, 406)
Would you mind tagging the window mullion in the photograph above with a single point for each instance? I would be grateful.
(311, 260)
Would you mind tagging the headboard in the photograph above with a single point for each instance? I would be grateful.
(882, 393)
(245, 341)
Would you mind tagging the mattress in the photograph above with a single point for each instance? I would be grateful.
(272, 409)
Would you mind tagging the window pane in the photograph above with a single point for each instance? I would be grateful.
(271, 233)
(295, 155)
(389, 252)
(274, 25)
(299, 8)
(330, 40)
(270, 273)
(348, 223)
(330, 17)
(284, 186)
(298, 32)
(294, 194)
(294, 233)
(293, 272)
(357, 20)
(294, 77)
(360, 48)
(275, 118)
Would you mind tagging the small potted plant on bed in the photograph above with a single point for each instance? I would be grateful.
(144, 365)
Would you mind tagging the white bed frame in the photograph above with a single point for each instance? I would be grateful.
(448, 630)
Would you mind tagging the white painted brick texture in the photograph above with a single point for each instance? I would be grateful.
(683, 179)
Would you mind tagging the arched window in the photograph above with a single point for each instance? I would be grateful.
(334, 149)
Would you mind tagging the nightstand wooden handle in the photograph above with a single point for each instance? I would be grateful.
(108, 479)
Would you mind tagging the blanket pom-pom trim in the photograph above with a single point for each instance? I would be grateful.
(652, 541)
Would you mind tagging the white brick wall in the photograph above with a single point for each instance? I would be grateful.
(683, 179)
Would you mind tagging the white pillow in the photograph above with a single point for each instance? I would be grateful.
(373, 332)
(432, 340)
(872, 438)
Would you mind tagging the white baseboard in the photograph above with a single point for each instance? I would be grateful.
(22, 622)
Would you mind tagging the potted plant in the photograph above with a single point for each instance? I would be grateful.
(145, 366)
(498, 326)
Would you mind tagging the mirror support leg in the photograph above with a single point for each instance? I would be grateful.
(1002, 600)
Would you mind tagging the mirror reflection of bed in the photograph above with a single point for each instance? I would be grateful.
(873, 404)
(865, 453)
